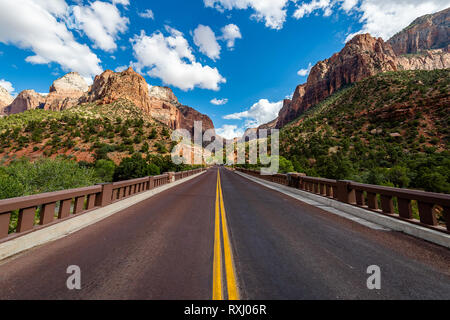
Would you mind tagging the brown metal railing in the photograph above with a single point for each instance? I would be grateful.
(432, 210)
(43, 209)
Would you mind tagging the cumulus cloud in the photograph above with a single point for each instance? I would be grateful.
(261, 112)
(170, 58)
(122, 2)
(305, 72)
(37, 26)
(7, 86)
(384, 18)
(304, 9)
(228, 131)
(121, 68)
(205, 40)
(101, 22)
(272, 12)
(380, 18)
(230, 33)
(147, 14)
(219, 102)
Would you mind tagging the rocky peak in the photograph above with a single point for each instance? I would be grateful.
(159, 102)
(69, 83)
(428, 32)
(5, 99)
(26, 100)
(162, 93)
(362, 57)
(66, 91)
(111, 86)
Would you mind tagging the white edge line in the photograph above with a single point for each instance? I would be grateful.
(357, 214)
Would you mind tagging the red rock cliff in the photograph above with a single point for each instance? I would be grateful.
(362, 57)
(429, 32)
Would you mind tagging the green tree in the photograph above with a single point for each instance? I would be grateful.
(105, 170)
(132, 168)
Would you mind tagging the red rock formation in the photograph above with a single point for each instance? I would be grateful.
(362, 57)
(159, 102)
(427, 38)
(111, 86)
(428, 32)
(26, 100)
(65, 92)
(291, 107)
(189, 115)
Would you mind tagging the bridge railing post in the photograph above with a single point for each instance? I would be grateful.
(344, 192)
(105, 196)
(151, 183)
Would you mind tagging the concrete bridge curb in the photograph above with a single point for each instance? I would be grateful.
(64, 228)
(355, 212)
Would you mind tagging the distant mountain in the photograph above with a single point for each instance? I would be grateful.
(71, 90)
(424, 45)
(26, 100)
(118, 115)
(389, 129)
(428, 32)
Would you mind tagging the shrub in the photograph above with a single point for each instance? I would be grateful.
(105, 170)
(23, 177)
(132, 168)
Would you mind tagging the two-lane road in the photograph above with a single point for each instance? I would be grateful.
(224, 236)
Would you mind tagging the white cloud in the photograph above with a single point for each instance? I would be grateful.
(380, 18)
(305, 72)
(348, 5)
(101, 22)
(122, 2)
(170, 59)
(261, 112)
(384, 18)
(121, 68)
(273, 12)
(36, 26)
(304, 9)
(228, 131)
(147, 14)
(205, 39)
(219, 102)
(7, 86)
(230, 33)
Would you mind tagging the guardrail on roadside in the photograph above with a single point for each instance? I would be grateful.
(395, 202)
(47, 208)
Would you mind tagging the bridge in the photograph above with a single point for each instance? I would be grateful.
(227, 234)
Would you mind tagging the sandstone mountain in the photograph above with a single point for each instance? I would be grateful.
(159, 102)
(72, 90)
(65, 92)
(26, 100)
(428, 32)
(424, 45)
(362, 57)
(5, 99)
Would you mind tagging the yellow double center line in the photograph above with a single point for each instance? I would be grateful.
(231, 283)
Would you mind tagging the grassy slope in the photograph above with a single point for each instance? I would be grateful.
(390, 129)
(83, 133)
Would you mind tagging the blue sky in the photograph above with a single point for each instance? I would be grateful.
(246, 56)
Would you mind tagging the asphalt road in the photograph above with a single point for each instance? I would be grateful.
(272, 247)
